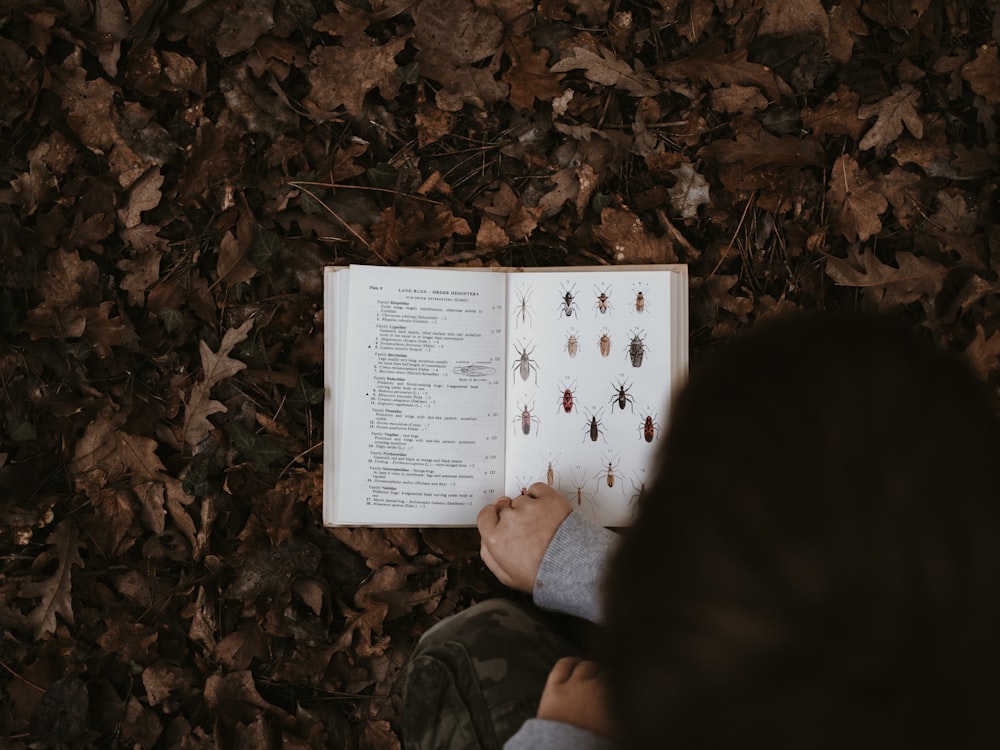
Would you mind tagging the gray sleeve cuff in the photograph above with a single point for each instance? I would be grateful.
(538, 733)
(570, 574)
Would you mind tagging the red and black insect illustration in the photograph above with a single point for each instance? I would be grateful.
(567, 304)
(603, 302)
(524, 364)
(594, 428)
(622, 396)
(649, 428)
(572, 343)
(522, 310)
(604, 343)
(527, 419)
(522, 485)
(636, 348)
(566, 397)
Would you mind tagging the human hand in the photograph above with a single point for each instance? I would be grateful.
(516, 532)
(575, 694)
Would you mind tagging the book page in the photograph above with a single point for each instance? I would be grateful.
(589, 369)
(422, 422)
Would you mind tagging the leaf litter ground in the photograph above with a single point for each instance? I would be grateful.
(177, 174)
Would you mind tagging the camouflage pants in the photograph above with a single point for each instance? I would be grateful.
(476, 677)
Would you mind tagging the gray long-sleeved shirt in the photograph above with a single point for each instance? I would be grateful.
(568, 581)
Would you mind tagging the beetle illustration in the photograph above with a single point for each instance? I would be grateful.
(567, 304)
(640, 299)
(524, 364)
(649, 428)
(636, 348)
(572, 343)
(604, 343)
(603, 302)
(522, 310)
(593, 429)
(526, 420)
(566, 399)
(622, 396)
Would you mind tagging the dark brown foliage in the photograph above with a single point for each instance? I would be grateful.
(175, 176)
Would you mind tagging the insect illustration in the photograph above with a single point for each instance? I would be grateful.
(522, 310)
(608, 473)
(638, 495)
(550, 472)
(649, 428)
(640, 299)
(566, 399)
(582, 497)
(593, 430)
(603, 302)
(567, 305)
(604, 343)
(477, 370)
(622, 396)
(522, 485)
(526, 419)
(572, 343)
(636, 348)
(524, 363)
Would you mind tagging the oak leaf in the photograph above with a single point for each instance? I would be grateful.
(529, 77)
(892, 113)
(243, 22)
(114, 453)
(983, 353)
(344, 74)
(915, 279)
(626, 238)
(609, 70)
(856, 205)
(710, 63)
(55, 591)
(983, 73)
(216, 367)
(689, 192)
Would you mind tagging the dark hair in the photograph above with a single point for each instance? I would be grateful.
(817, 563)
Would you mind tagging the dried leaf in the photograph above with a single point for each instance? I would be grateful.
(856, 205)
(689, 192)
(343, 75)
(608, 70)
(216, 367)
(885, 287)
(55, 591)
(892, 114)
(983, 73)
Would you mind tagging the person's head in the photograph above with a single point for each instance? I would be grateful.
(817, 563)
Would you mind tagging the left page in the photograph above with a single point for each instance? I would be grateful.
(419, 425)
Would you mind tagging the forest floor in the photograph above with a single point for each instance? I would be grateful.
(175, 176)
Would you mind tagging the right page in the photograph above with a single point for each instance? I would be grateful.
(590, 372)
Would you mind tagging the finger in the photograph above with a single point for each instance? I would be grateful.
(503, 503)
(536, 489)
(487, 520)
(562, 670)
(587, 668)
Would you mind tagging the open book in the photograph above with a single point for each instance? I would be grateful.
(446, 388)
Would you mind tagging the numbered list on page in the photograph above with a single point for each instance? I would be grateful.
(423, 415)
